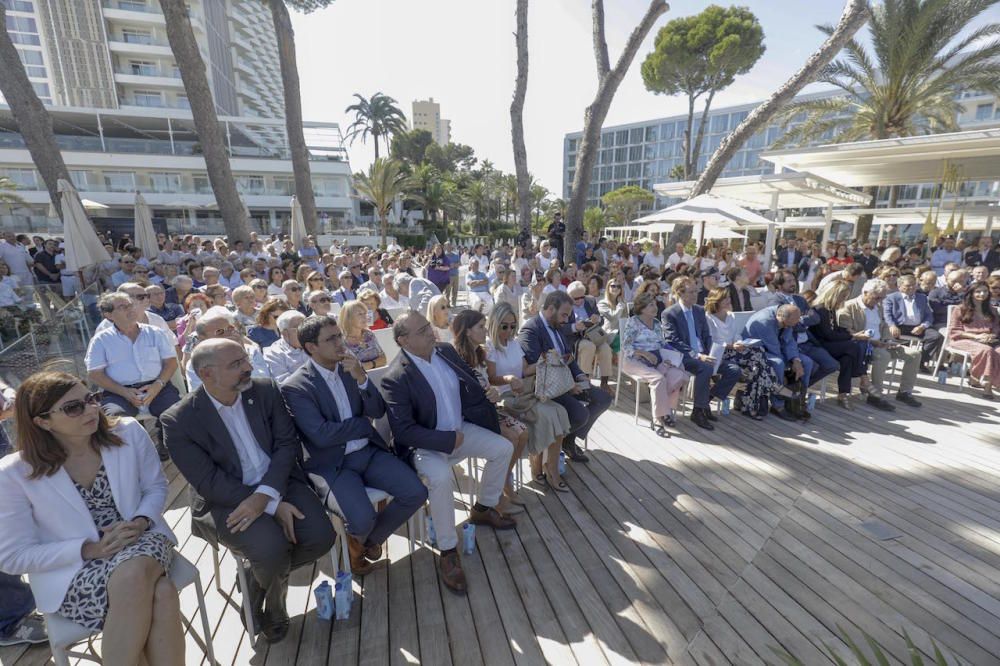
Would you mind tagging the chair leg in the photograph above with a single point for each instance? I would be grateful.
(206, 628)
(638, 390)
(247, 610)
(215, 569)
(618, 384)
(59, 656)
(472, 482)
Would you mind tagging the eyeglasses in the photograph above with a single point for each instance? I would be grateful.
(578, 298)
(140, 297)
(295, 289)
(75, 408)
(259, 286)
(219, 332)
(508, 327)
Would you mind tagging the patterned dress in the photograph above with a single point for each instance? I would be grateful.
(86, 601)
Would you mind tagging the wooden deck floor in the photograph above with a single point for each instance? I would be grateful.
(707, 548)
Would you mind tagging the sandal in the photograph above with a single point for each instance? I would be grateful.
(559, 486)
(659, 429)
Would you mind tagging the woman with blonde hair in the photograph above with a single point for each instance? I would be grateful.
(437, 315)
(846, 348)
(81, 513)
(354, 323)
(614, 310)
(469, 330)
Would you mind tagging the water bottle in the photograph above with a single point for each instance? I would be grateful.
(943, 376)
(344, 595)
(431, 534)
(144, 409)
(811, 401)
(469, 539)
(324, 601)
(725, 407)
(562, 463)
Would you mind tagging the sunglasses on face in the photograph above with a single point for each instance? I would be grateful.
(295, 289)
(75, 408)
(140, 297)
(259, 286)
(507, 327)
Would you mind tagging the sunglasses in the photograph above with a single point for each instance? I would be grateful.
(259, 286)
(75, 408)
(508, 327)
(295, 289)
(141, 297)
(578, 298)
(614, 286)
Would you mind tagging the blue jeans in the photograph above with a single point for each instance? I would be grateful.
(16, 600)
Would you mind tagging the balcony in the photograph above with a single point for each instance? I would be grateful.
(133, 13)
(139, 46)
(141, 76)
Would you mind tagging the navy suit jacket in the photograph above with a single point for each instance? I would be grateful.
(779, 343)
(974, 258)
(894, 310)
(675, 329)
(590, 307)
(535, 340)
(412, 404)
(782, 258)
(322, 430)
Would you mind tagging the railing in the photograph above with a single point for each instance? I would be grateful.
(131, 6)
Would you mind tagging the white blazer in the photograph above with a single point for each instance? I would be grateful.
(45, 522)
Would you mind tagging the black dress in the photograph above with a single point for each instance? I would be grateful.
(842, 346)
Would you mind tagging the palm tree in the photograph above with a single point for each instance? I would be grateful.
(477, 194)
(375, 117)
(907, 83)
(7, 194)
(384, 181)
(206, 122)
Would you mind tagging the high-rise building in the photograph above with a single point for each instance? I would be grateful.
(427, 116)
(121, 116)
(645, 153)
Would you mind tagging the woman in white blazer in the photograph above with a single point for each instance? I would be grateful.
(81, 512)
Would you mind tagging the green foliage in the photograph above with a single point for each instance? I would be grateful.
(7, 195)
(593, 220)
(703, 53)
(306, 6)
(411, 147)
(624, 204)
(384, 181)
(878, 653)
(450, 157)
(376, 117)
(418, 241)
(906, 83)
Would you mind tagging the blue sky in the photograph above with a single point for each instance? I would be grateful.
(461, 53)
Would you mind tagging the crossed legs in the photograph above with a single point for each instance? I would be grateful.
(144, 616)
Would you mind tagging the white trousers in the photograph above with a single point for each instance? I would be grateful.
(481, 301)
(435, 468)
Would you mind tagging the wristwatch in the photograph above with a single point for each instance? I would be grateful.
(160, 382)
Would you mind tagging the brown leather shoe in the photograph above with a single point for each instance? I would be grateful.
(359, 565)
(492, 518)
(374, 552)
(451, 572)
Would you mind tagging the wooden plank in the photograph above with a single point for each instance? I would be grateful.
(374, 639)
(432, 628)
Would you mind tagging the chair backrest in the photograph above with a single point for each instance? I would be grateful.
(381, 424)
(387, 343)
(396, 313)
(741, 319)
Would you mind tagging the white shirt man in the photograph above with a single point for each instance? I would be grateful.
(679, 257)
(127, 362)
(654, 258)
(17, 258)
(286, 355)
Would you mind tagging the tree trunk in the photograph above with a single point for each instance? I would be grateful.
(686, 142)
(206, 122)
(863, 227)
(696, 151)
(33, 121)
(376, 144)
(593, 117)
(293, 113)
(383, 223)
(855, 15)
(517, 119)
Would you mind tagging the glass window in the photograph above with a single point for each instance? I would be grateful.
(607, 140)
(621, 138)
(134, 5)
(251, 184)
(720, 123)
(41, 89)
(329, 187)
(666, 131)
(137, 36)
(605, 173)
(143, 68)
(24, 179)
(81, 179)
(621, 154)
(984, 111)
(634, 170)
(165, 182)
(571, 145)
(18, 5)
(620, 171)
(34, 65)
(23, 30)
(635, 136)
(147, 98)
(651, 133)
(182, 102)
(119, 181)
(635, 153)
(284, 185)
(201, 184)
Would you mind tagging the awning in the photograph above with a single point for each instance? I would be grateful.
(794, 190)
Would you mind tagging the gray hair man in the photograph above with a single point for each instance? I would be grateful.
(286, 355)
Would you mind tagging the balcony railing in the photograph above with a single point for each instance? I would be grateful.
(149, 71)
(131, 6)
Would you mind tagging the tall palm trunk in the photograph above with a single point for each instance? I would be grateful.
(293, 112)
(517, 120)
(206, 122)
(33, 121)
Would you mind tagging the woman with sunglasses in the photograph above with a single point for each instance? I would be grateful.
(547, 422)
(438, 314)
(245, 305)
(275, 278)
(81, 513)
(265, 332)
(614, 310)
(259, 288)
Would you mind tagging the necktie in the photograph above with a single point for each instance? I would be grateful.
(692, 333)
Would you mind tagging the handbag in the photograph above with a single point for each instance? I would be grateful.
(553, 377)
(522, 405)
(596, 334)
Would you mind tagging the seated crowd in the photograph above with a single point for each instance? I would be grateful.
(264, 375)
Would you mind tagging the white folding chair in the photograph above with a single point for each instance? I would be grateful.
(64, 634)
(242, 566)
(951, 351)
(387, 343)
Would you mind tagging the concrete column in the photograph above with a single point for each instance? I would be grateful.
(827, 226)
(771, 229)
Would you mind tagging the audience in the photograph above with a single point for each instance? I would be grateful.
(440, 415)
(974, 328)
(265, 333)
(236, 444)
(379, 317)
(333, 403)
(81, 512)
(439, 315)
(908, 312)
(218, 322)
(847, 348)
(614, 309)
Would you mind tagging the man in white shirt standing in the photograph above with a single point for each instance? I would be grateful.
(440, 415)
(17, 258)
(333, 403)
(655, 258)
(679, 257)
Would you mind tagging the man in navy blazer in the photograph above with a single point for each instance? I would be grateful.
(774, 326)
(686, 328)
(440, 415)
(908, 312)
(548, 330)
(333, 404)
(790, 256)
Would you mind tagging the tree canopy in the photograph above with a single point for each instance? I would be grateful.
(624, 204)
(376, 117)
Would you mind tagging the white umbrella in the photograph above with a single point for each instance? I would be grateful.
(92, 205)
(710, 209)
(144, 235)
(83, 247)
(298, 225)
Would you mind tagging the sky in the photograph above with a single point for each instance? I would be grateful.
(462, 53)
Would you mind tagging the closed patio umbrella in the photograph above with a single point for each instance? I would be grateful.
(145, 236)
(83, 247)
(298, 225)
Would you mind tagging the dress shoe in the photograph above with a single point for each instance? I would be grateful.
(492, 518)
(275, 632)
(356, 550)
(783, 413)
(880, 403)
(700, 419)
(256, 600)
(709, 415)
(907, 399)
(161, 451)
(573, 450)
(373, 552)
(452, 575)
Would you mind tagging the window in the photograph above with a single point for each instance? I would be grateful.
(81, 179)
(571, 145)
(251, 184)
(201, 184)
(165, 182)
(143, 68)
(284, 185)
(651, 133)
(34, 65)
(635, 153)
(635, 136)
(147, 98)
(984, 111)
(42, 90)
(329, 187)
(119, 181)
(23, 30)
(620, 171)
(634, 170)
(133, 5)
(621, 154)
(182, 102)
(24, 179)
(137, 36)
(607, 140)
(666, 131)
(17, 5)
(621, 138)
(605, 173)
(720, 123)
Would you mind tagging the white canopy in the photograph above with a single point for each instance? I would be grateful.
(83, 247)
(298, 225)
(145, 236)
(794, 190)
(709, 209)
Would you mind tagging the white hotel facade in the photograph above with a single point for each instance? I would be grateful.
(106, 73)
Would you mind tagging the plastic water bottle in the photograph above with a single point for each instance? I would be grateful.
(144, 409)
(344, 595)
(324, 601)
(469, 539)
(725, 407)
(562, 463)
(943, 376)
(431, 534)
(811, 401)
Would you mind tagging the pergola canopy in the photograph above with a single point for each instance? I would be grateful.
(903, 161)
(794, 190)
